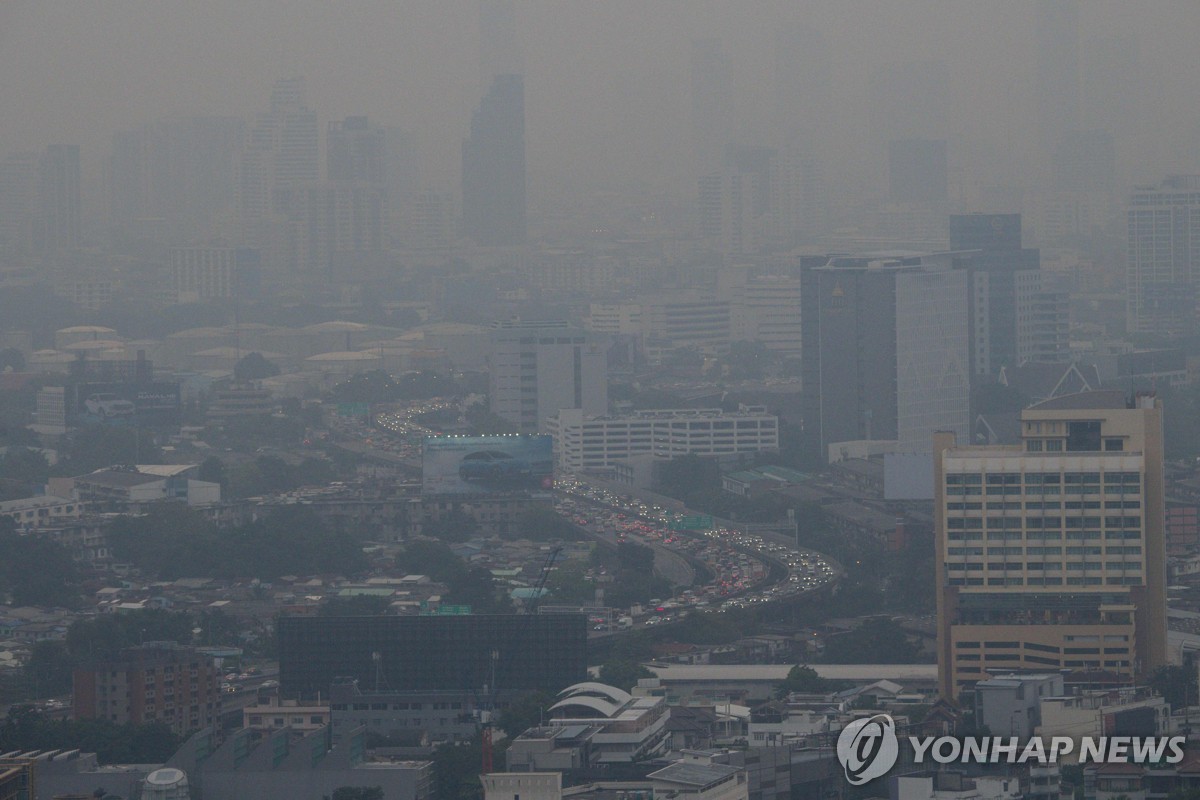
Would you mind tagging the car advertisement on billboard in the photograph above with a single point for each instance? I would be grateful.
(146, 403)
(484, 464)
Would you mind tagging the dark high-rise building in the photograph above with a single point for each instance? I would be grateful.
(917, 171)
(1057, 86)
(985, 232)
(178, 172)
(910, 100)
(1015, 318)
(1085, 161)
(356, 150)
(509, 654)
(712, 103)
(58, 189)
(493, 166)
(886, 349)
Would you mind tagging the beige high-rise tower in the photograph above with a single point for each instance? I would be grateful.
(1050, 554)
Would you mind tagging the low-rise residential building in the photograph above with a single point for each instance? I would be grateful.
(1011, 705)
(1128, 711)
(127, 487)
(292, 715)
(441, 716)
(44, 510)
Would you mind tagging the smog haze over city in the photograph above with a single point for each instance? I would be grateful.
(631, 399)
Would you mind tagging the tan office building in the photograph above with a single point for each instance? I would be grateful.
(1050, 554)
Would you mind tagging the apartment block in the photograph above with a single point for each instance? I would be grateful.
(1051, 553)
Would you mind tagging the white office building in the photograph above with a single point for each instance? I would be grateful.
(537, 369)
(583, 442)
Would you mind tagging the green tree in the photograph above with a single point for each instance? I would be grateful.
(104, 637)
(477, 589)
(423, 557)
(623, 674)
(569, 585)
(357, 606)
(543, 524)
(803, 680)
(524, 712)
(49, 670)
(357, 793)
(94, 447)
(254, 367)
(456, 771)
(212, 469)
(455, 526)
(878, 640)
(1176, 684)
(35, 571)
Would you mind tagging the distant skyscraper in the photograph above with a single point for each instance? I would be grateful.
(1085, 161)
(1015, 318)
(356, 150)
(18, 203)
(1163, 263)
(493, 166)
(803, 83)
(58, 182)
(917, 171)
(282, 151)
(179, 172)
(1058, 76)
(499, 49)
(910, 100)
(712, 104)
(886, 350)
(279, 159)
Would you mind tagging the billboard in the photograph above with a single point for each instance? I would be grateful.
(129, 403)
(485, 464)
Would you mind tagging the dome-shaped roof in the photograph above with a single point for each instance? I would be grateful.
(94, 344)
(612, 693)
(197, 333)
(345, 355)
(603, 707)
(86, 329)
(336, 326)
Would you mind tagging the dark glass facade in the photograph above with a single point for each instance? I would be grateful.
(508, 653)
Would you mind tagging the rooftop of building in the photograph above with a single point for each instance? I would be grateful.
(693, 773)
(1097, 400)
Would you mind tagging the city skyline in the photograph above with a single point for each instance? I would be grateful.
(613, 116)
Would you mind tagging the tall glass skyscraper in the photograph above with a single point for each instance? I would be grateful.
(493, 166)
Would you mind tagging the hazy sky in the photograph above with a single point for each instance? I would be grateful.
(607, 83)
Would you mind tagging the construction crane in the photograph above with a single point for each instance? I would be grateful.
(489, 691)
(541, 582)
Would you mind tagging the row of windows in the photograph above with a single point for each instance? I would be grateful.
(1055, 550)
(1001, 523)
(1048, 581)
(1040, 535)
(1070, 566)
(1042, 478)
(1045, 648)
(1043, 505)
